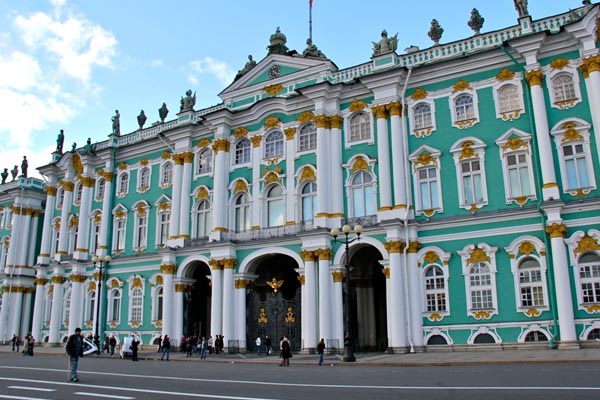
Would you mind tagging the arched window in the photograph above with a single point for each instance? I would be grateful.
(563, 87)
(203, 219)
(90, 307)
(309, 201)
(484, 338)
(594, 334)
(114, 305)
(360, 127)
(66, 307)
(480, 287)
(61, 198)
(123, 183)
(120, 225)
(100, 185)
(307, 139)
(589, 278)
(275, 206)
(274, 145)
(204, 161)
(242, 213)
(163, 221)
(508, 97)
(137, 300)
(144, 179)
(78, 192)
(464, 109)
(437, 340)
(158, 309)
(536, 336)
(363, 195)
(167, 174)
(422, 116)
(435, 289)
(531, 287)
(242, 151)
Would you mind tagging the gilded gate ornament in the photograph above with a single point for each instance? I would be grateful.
(289, 317)
(275, 284)
(262, 317)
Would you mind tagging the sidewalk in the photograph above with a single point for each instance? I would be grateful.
(435, 358)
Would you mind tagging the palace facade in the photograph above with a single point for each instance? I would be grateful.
(471, 167)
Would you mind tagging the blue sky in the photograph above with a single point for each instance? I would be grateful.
(70, 64)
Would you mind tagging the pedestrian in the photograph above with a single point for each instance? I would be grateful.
(210, 344)
(74, 350)
(113, 344)
(258, 345)
(160, 342)
(30, 344)
(166, 347)
(15, 343)
(268, 345)
(134, 348)
(321, 350)
(203, 346)
(286, 352)
(106, 345)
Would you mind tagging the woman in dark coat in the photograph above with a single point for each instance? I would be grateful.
(286, 352)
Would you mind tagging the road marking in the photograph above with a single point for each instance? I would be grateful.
(104, 395)
(6, 396)
(32, 388)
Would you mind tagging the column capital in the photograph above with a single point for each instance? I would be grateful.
(221, 145)
(40, 281)
(323, 121)
(395, 246)
(228, 263)
(380, 112)
(336, 121)
(56, 279)
(413, 246)
(51, 190)
(289, 133)
(556, 230)
(590, 64)
(168, 269)
(338, 276)
(188, 157)
(394, 108)
(534, 77)
(301, 279)
(256, 141)
(386, 272)
(308, 255)
(78, 278)
(241, 283)
(181, 287)
(215, 264)
(323, 254)
(87, 181)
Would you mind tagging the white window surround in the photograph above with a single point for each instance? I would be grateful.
(241, 156)
(442, 261)
(484, 330)
(574, 131)
(134, 286)
(119, 228)
(426, 157)
(163, 209)
(60, 198)
(471, 255)
(551, 74)
(201, 214)
(77, 193)
(306, 138)
(465, 150)
(140, 210)
(516, 112)
(273, 144)
(351, 173)
(575, 253)
(203, 157)
(466, 122)
(520, 249)
(425, 131)
(100, 189)
(144, 177)
(123, 181)
(516, 142)
(157, 295)
(166, 174)
(545, 329)
(114, 293)
(347, 115)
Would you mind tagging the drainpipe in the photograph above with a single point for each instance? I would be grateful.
(538, 183)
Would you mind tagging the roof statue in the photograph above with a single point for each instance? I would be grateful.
(249, 65)
(163, 111)
(89, 148)
(385, 45)
(476, 21)
(4, 175)
(24, 166)
(521, 7)
(188, 102)
(116, 123)
(312, 50)
(60, 140)
(278, 41)
(14, 172)
(435, 32)
(141, 119)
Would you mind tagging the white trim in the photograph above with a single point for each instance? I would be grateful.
(459, 157)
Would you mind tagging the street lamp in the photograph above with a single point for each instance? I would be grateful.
(349, 328)
(99, 262)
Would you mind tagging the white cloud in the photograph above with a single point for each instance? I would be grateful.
(209, 66)
(156, 63)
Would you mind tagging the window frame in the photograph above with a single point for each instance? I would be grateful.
(368, 137)
(241, 207)
(274, 206)
(307, 138)
(242, 154)
(204, 158)
(123, 184)
(144, 179)
(469, 120)
(471, 257)
(519, 108)
(470, 150)
(167, 169)
(426, 158)
(552, 74)
(311, 197)
(364, 190)
(115, 297)
(199, 214)
(274, 145)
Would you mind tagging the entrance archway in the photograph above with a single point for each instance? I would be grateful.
(274, 302)
(368, 291)
(197, 301)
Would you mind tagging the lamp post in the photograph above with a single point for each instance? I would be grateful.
(99, 262)
(349, 325)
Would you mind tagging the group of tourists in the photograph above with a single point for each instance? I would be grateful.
(29, 343)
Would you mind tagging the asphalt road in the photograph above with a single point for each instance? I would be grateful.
(45, 377)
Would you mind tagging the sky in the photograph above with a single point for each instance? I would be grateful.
(70, 64)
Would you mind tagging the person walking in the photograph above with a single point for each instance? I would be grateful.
(134, 348)
(15, 343)
(30, 344)
(268, 345)
(113, 344)
(160, 342)
(74, 350)
(210, 344)
(203, 347)
(286, 352)
(258, 345)
(166, 347)
(321, 350)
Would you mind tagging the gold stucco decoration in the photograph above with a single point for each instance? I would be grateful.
(435, 317)
(221, 145)
(289, 316)
(431, 257)
(275, 284)
(556, 230)
(482, 315)
(204, 142)
(589, 65)
(271, 122)
(58, 279)
(505, 75)
(394, 108)
(73, 222)
(360, 164)
(559, 63)
(240, 132)
(323, 254)
(271, 177)
(168, 269)
(159, 280)
(425, 159)
(164, 206)
(526, 248)
(120, 214)
(570, 135)
(137, 282)
(323, 121)
(593, 309)
(532, 312)
(240, 186)
(51, 191)
(77, 164)
(123, 166)
(181, 287)
(141, 209)
(87, 181)
(165, 155)
(535, 77)
(307, 174)
(395, 246)
(273, 90)
(460, 86)
(467, 150)
(335, 122)
(256, 141)
(478, 255)
(386, 272)
(338, 276)
(289, 133)
(380, 112)
(587, 243)
(307, 255)
(78, 278)
(301, 279)
(144, 162)
(306, 116)
(357, 105)
(419, 94)
(202, 193)
(67, 185)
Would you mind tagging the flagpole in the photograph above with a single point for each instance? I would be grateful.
(310, 19)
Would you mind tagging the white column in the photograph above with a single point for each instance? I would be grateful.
(228, 301)
(26, 313)
(309, 311)
(415, 294)
(177, 333)
(186, 183)
(383, 159)
(38, 305)
(216, 309)
(83, 229)
(4, 323)
(44, 257)
(106, 222)
(24, 236)
(388, 302)
(290, 153)
(168, 269)
(564, 298)
(57, 301)
(255, 191)
(325, 284)
(336, 182)
(550, 187)
(338, 306)
(35, 220)
(240, 311)
(77, 301)
(591, 72)
(323, 173)
(220, 181)
(176, 196)
(63, 240)
(16, 309)
(396, 305)
(397, 121)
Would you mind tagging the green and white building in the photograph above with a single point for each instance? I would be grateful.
(471, 166)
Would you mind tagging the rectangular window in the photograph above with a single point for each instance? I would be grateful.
(120, 235)
(428, 188)
(472, 182)
(142, 230)
(165, 219)
(518, 175)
